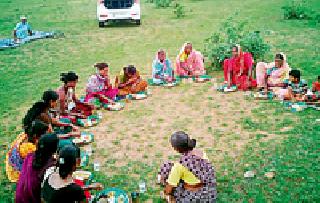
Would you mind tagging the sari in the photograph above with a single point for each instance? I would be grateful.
(190, 64)
(202, 169)
(132, 85)
(99, 87)
(275, 75)
(316, 86)
(162, 72)
(236, 65)
(70, 104)
(29, 184)
(16, 155)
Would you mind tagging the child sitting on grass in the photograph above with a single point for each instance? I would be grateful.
(296, 88)
(316, 85)
(316, 89)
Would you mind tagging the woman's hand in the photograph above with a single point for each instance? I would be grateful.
(74, 128)
(74, 134)
(96, 186)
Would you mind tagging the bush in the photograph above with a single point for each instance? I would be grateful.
(253, 42)
(297, 9)
(162, 3)
(218, 46)
(178, 10)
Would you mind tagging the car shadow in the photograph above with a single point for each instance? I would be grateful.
(120, 24)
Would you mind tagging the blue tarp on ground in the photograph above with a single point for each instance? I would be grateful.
(10, 43)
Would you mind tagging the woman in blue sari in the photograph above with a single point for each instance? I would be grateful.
(162, 71)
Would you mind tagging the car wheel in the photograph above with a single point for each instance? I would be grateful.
(138, 22)
(101, 24)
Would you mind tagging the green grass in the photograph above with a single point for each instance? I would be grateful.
(294, 158)
(29, 70)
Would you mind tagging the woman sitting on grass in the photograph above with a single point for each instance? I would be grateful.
(130, 82)
(69, 106)
(58, 184)
(33, 169)
(192, 179)
(162, 71)
(272, 74)
(189, 62)
(99, 85)
(238, 69)
(24, 144)
(41, 111)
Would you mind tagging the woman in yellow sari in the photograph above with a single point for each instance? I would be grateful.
(24, 144)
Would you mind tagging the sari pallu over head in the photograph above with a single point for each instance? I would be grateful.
(162, 69)
(279, 75)
(194, 61)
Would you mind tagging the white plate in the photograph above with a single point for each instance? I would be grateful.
(169, 85)
(115, 107)
(200, 80)
(139, 96)
(77, 141)
(229, 90)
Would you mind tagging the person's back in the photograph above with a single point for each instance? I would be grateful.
(29, 183)
(61, 193)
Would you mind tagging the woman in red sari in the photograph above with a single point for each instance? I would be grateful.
(238, 69)
(69, 106)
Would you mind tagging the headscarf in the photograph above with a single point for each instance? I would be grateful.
(182, 54)
(158, 60)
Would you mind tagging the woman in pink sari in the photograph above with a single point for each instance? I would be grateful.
(189, 62)
(272, 74)
(99, 86)
(238, 69)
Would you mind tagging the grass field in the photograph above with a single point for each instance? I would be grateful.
(238, 134)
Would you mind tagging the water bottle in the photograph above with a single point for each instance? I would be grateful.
(96, 166)
(135, 197)
(142, 187)
(99, 115)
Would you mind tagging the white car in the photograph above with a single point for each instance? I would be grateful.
(112, 10)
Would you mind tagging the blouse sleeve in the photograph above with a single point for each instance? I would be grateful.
(175, 175)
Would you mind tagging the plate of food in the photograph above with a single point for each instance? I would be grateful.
(171, 84)
(260, 96)
(115, 107)
(86, 138)
(77, 141)
(229, 89)
(112, 195)
(81, 175)
(139, 96)
(201, 80)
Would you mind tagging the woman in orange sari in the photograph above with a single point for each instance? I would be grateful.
(24, 144)
(238, 69)
(130, 82)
